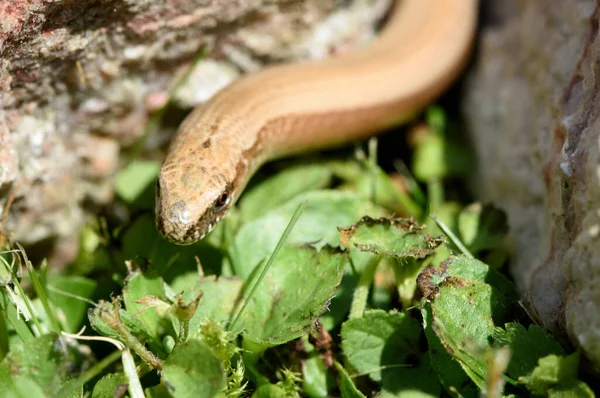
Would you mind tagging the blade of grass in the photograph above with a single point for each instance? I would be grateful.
(448, 232)
(18, 323)
(71, 295)
(21, 293)
(40, 290)
(3, 335)
(282, 240)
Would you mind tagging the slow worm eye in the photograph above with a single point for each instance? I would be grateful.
(222, 201)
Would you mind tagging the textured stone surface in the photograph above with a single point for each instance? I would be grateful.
(9, 167)
(79, 79)
(532, 107)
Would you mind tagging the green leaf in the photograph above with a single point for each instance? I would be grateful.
(273, 391)
(109, 385)
(379, 339)
(3, 334)
(375, 184)
(556, 376)
(450, 373)
(347, 387)
(482, 227)
(140, 285)
(325, 211)
(419, 381)
(577, 389)
(527, 347)
(316, 379)
(218, 299)
(193, 370)
(396, 237)
(283, 186)
(142, 240)
(341, 302)
(9, 309)
(7, 262)
(105, 316)
(436, 118)
(38, 358)
(159, 391)
(71, 309)
(463, 313)
(405, 274)
(294, 293)
(468, 269)
(41, 359)
(448, 213)
(135, 183)
(436, 157)
(463, 319)
(19, 386)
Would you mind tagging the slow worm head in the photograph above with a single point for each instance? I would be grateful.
(293, 108)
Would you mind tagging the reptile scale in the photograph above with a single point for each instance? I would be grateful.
(294, 108)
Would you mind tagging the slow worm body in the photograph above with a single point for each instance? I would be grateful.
(293, 108)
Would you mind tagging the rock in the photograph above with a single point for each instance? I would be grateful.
(79, 81)
(9, 162)
(531, 106)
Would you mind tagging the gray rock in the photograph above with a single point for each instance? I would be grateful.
(532, 109)
(80, 79)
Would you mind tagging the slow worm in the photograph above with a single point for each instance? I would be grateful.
(293, 108)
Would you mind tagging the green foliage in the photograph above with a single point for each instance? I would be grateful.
(435, 156)
(66, 293)
(347, 387)
(284, 186)
(325, 212)
(379, 340)
(295, 292)
(527, 345)
(39, 368)
(556, 376)
(135, 182)
(316, 379)
(193, 370)
(399, 238)
(109, 385)
(482, 227)
(310, 287)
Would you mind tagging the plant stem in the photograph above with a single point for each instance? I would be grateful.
(130, 341)
(361, 293)
(184, 328)
(435, 190)
(135, 387)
